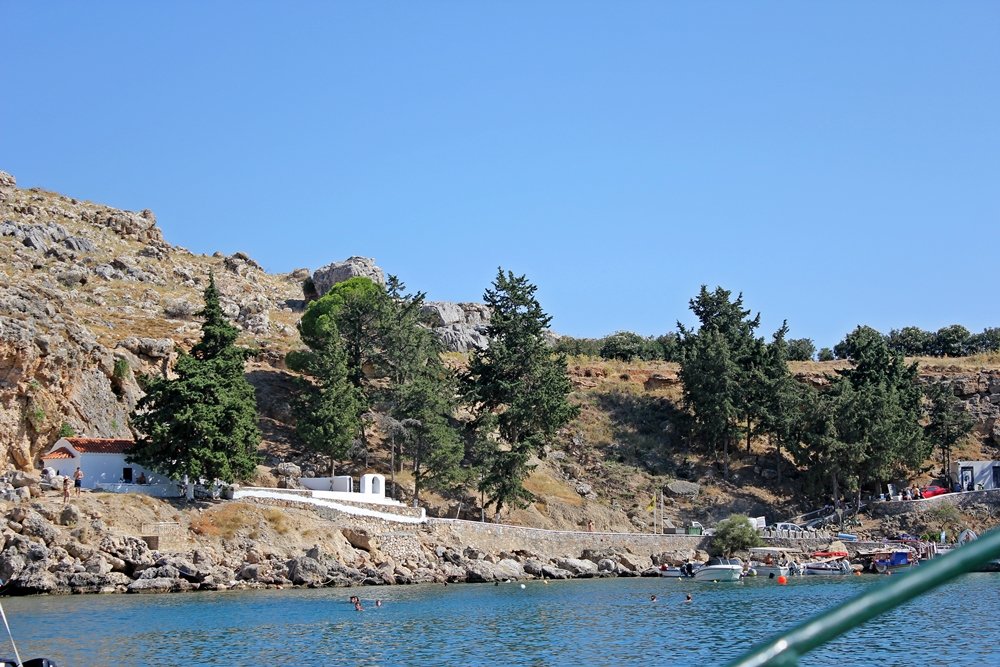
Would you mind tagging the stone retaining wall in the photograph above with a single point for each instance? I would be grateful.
(494, 538)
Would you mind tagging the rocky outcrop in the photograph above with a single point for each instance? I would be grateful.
(91, 298)
(460, 327)
(337, 272)
(980, 392)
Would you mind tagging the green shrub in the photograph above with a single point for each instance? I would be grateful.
(122, 369)
(734, 534)
(36, 416)
(66, 431)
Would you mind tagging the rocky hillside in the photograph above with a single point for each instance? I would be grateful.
(91, 297)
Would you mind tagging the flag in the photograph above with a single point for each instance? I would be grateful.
(652, 504)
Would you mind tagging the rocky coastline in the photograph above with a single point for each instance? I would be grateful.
(94, 544)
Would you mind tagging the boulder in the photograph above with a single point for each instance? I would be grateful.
(19, 479)
(305, 571)
(35, 525)
(326, 277)
(69, 516)
(287, 470)
(579, 567)
(553, 572)
(480, 571)
(682, 488)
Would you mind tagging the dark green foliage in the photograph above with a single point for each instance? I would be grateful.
(910, 341)
(354, 307)
(864, 430)
(668, 347)
(987, 341)
(391, 363)
(518, 388)
(801, 349)
(780, 405)
(948, 422)
(825, 354)
(66, 430)
(425, 406)
(721, 370)
(950, 341)
(329, 405)
(204, 422)
(734, 534)
(587, 347)
(710, 380)
(623, 345)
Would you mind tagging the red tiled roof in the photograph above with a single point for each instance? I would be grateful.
(100, 445)
(61, 453)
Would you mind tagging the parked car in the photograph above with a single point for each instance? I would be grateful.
(787, 526)
(933, 490)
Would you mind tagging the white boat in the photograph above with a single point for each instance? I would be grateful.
(770, 561)
(686, 570)
(719, 569)
(828, 566)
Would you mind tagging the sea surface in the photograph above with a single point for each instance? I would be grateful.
(582, 622)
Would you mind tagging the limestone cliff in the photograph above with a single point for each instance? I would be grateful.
(91, 297)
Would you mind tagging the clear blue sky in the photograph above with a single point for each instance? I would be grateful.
(838, 163)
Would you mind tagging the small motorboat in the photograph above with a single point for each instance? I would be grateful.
(828, 566)
(887, 558)
(719, 569)
(770, 561)
(686, 570)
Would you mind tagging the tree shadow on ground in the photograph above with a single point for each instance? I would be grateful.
(645, 429)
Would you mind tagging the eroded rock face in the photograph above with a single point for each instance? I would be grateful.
(326, 277)
(91, 298)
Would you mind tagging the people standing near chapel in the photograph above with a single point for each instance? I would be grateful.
(65, 490)
(78, 480)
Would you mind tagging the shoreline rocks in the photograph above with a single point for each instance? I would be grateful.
(50, 551)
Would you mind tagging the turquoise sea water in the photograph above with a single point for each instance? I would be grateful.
(585, 622)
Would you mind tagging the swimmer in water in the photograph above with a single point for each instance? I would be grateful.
(358, 607)
(688, 598)
(378, 603)
(652, 598)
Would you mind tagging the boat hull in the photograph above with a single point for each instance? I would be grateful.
(719, 573)
(771, 570)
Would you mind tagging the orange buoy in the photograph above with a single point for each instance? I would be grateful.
(782, 580)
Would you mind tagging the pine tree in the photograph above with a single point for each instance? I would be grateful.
(948, 421)
(725, 343)
(425, 406)
(203, 423)
(519, 389)
(329, 406)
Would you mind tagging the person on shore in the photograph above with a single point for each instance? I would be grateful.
(590, 525)
(142, 478)
(65, 490)
(78, 480)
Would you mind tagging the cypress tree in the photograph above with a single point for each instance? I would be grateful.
(519, 388)
(203, 423)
